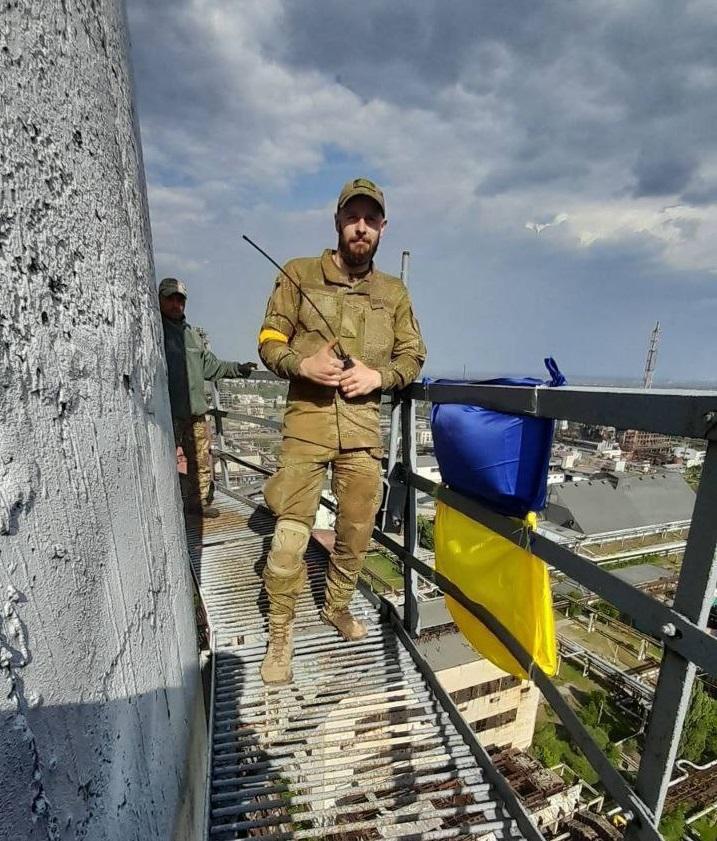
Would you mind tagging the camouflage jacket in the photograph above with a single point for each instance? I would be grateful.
(189, 363)
(373, 319)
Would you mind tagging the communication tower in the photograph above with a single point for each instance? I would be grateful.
(651, 360)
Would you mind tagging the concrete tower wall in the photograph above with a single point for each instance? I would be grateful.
(100, 710)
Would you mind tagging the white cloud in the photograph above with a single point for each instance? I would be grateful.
(537, 227)
(589, 126)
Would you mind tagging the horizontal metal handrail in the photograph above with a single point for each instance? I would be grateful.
(685, 413)
(692, 414)
(229, 414)
(237, 459)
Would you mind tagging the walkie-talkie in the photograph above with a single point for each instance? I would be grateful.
(343, 356)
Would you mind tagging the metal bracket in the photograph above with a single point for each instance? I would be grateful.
(390, 515)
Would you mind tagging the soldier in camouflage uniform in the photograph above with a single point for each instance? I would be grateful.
(189, 364)
(332, 414)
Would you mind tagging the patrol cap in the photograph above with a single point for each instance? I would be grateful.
(361, 187)
(172, 286)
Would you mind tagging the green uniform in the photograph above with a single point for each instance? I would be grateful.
(373, 319)
(189, 364)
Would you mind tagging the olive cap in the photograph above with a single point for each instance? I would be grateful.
(361, 187)
(172, 286)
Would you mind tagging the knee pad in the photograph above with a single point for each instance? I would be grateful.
(286, 556)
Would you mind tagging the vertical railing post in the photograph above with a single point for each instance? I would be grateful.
(219, 426)
(393, 433)
(693, 599)
(392, 516)
(407, 409)
(410, 530)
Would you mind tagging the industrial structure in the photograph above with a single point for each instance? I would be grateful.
(651, 360)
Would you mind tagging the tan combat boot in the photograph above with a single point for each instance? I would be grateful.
(345, 622)
(276, 665)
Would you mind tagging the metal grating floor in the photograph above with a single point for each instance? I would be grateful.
(358, 747)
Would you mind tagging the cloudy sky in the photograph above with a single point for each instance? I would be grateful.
(552, 167)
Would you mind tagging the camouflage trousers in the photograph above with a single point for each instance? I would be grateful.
(292, 493)
(192, 435)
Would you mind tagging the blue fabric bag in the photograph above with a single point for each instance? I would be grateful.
(497, 458)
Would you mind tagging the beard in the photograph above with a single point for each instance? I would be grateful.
(355, 258)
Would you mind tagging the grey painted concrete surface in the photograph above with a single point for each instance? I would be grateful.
(101, 724)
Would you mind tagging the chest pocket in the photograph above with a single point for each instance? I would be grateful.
(352, 321)
(379, 336)
(310, 319)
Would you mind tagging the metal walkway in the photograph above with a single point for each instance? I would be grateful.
(358, 747)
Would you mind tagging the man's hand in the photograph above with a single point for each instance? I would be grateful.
(324, 367)
(359, 380)
(246, 368)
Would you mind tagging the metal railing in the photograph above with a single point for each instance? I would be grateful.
(680, 628)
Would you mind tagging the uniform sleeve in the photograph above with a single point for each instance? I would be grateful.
(278, 328)
(217, 369)
(409, 351)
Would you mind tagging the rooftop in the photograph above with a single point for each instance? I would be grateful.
(446, 650)
(643, 574)
(616, 503)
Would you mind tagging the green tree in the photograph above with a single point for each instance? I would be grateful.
(711, 737)
(673, 824)
(693, 475)
(699, 737)
(591, 712)
(425, 532)
(705, 828)
(608, 609)
(546, 747)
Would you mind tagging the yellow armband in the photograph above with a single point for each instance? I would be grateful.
(270, 335)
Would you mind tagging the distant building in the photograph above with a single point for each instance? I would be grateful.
(226, 392)
(620, 502)
(500, 708)
(609, 449)
(427, 466)
(644, 575)
(570, 459)
(688, 456)
(424, 437)
(641, 444)
(325, 518)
